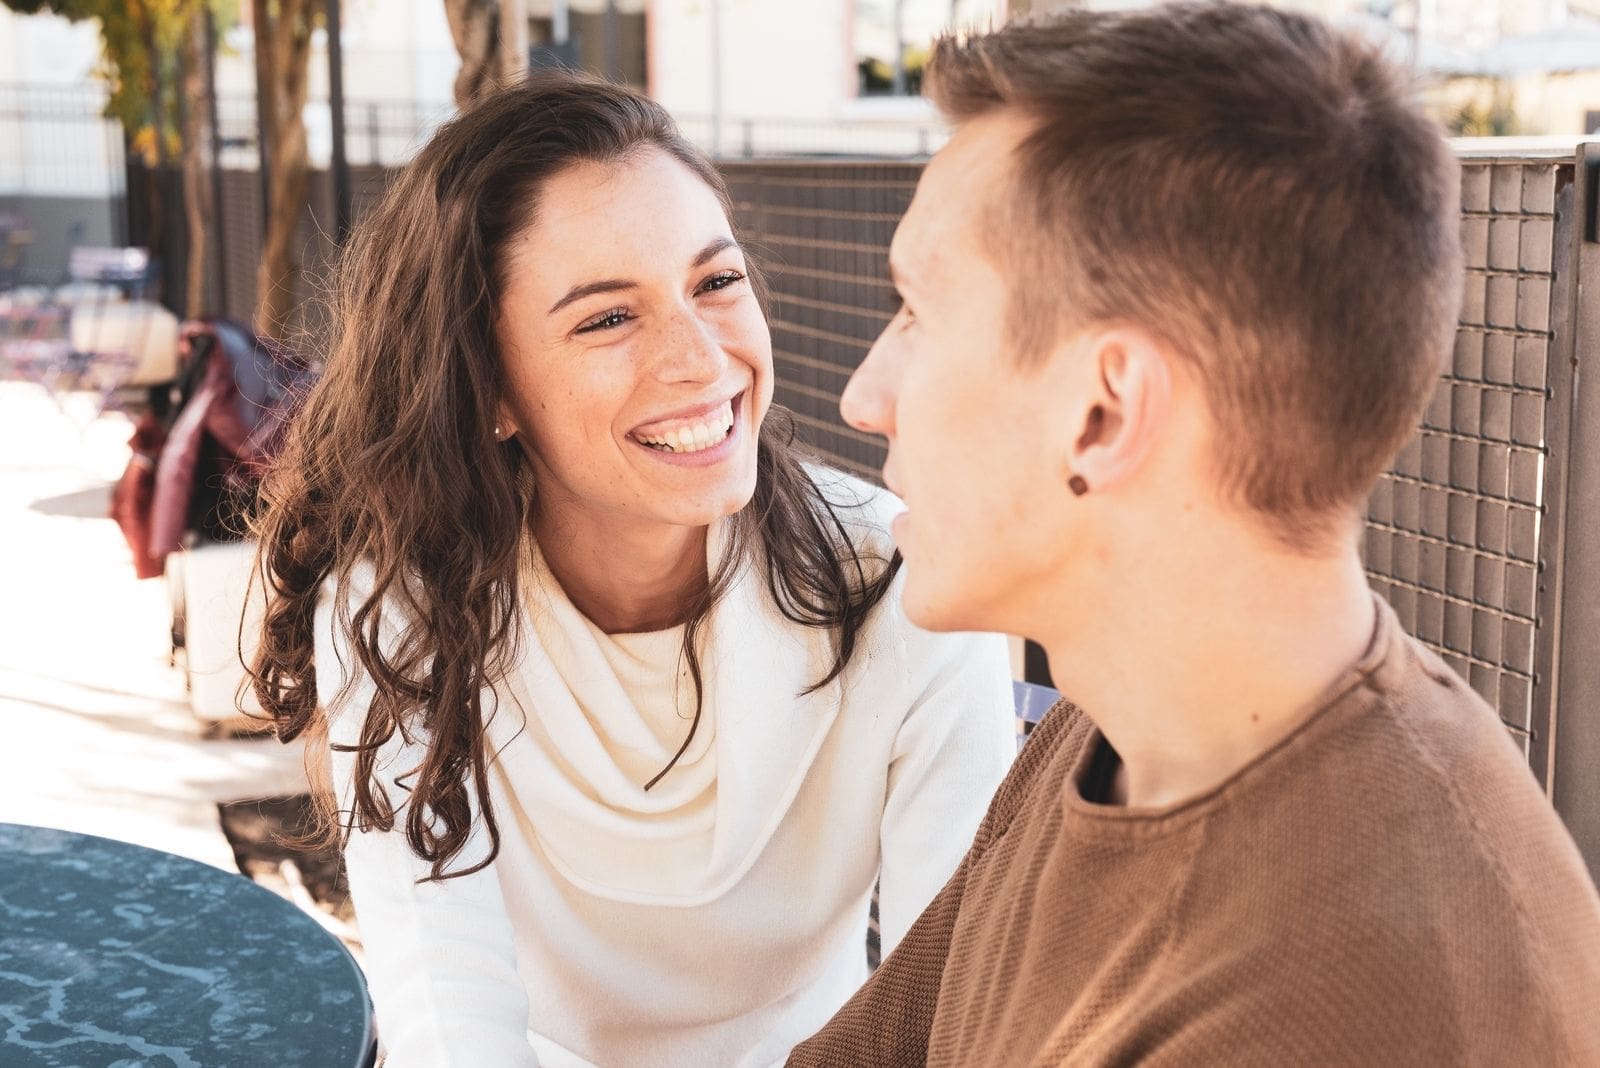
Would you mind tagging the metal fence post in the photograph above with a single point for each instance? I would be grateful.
(1575, 703)
(1559, 464)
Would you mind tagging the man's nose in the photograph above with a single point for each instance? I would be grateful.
(868, 399)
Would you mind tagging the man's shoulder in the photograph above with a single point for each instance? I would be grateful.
(1447, 775)
(1406, 857)
(1409, 769)
(1040, 772)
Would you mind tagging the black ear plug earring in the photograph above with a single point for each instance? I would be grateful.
(1077, 485)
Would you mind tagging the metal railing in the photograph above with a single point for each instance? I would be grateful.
(753, 138)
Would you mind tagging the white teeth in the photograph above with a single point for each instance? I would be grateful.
(693, 437)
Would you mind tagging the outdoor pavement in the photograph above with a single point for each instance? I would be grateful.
(96, 734)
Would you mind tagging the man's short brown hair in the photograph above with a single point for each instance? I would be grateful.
(1260, 191)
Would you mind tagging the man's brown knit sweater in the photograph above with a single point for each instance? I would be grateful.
(1385, 886)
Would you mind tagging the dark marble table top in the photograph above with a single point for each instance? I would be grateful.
(115, 956)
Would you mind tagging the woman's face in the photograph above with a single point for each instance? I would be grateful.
(637, 362)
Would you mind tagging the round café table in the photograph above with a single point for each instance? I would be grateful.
(115, 956)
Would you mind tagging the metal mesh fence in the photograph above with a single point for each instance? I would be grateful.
(240, 216)
(821, 232)
(1455, 535)
(1454, 530)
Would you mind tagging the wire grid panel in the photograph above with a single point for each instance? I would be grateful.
(821, 233)
(1453, 531)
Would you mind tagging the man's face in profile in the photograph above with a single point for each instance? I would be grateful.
(968, 423)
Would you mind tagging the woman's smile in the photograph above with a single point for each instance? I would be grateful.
(697, 438)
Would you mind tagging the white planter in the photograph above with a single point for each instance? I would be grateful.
(214, 579)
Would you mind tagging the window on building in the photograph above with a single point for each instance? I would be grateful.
(893, 37)
(605, 37)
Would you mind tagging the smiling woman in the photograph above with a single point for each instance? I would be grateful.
(624, 716)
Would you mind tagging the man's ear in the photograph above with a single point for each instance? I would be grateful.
(1128, 377)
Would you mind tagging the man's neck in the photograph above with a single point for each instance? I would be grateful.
(1227, 659)
(625, 577)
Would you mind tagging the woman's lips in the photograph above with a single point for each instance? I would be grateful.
(690, 434)
(699, 442)
(687, 415)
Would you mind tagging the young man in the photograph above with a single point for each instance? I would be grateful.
(1175, 294)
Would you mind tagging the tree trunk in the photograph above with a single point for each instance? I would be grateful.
(513, 40)
(155, 158)
(283, 50)
(197, 205)
(475, 26)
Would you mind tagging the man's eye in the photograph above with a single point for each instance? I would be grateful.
(606, 320)
(720, 280)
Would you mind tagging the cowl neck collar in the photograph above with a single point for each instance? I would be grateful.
(691, 837)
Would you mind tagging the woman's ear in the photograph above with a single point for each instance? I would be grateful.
(505, 426)
(1130, 396)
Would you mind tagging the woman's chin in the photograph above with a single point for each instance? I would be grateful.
(713, 503)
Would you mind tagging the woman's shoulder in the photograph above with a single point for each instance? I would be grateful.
(397, 601)
(865, 509)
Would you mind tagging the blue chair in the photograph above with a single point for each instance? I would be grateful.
(1032, 702)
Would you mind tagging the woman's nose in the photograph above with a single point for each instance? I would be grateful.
(691, 351)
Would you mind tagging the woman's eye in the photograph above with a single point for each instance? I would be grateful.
(605, 320)
(720, 280)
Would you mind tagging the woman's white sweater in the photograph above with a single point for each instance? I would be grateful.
(719, 917)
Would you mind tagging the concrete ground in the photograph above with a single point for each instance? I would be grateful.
(96, 734)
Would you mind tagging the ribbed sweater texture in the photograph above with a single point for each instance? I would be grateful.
(1387, 885)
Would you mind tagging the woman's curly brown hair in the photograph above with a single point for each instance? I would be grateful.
(392, 462)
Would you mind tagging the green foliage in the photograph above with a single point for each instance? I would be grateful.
(876, 76)
(139, 62)
(1476, 118)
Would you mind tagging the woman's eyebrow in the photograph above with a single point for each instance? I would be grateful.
(589, 289)
(612, 285)
(716, 245)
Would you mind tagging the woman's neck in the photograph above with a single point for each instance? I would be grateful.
(625, 577)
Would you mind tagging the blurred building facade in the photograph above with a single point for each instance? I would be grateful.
(1489, 67)
(833, 76)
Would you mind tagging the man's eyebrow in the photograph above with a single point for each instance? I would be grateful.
(614, 285)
